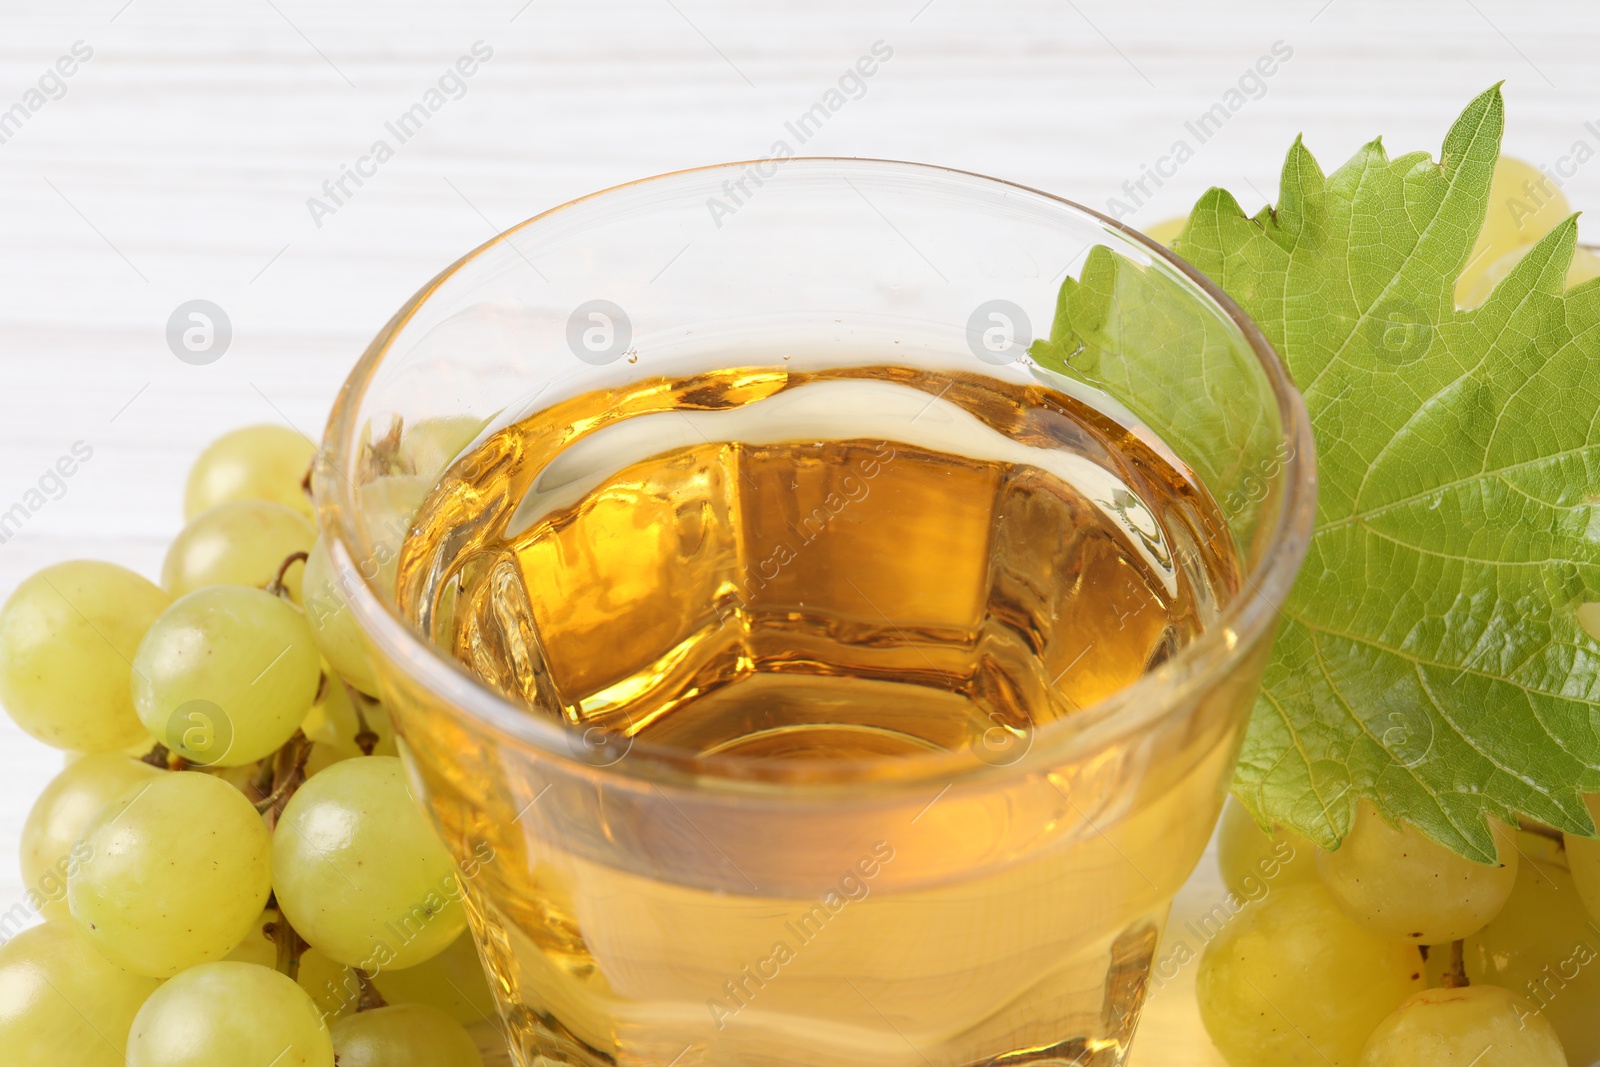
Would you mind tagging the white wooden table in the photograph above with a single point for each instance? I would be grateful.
(178, 160)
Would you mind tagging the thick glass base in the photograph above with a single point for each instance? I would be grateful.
(674, 1033)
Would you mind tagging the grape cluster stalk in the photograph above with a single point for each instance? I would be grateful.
(231, 868)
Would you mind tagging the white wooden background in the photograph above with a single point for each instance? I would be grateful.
(178, 163)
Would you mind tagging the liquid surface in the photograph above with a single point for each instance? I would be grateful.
(807, 567)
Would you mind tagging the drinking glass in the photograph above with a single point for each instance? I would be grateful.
(994, 901)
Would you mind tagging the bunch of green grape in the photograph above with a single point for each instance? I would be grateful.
(1393, 951)
(231, 867)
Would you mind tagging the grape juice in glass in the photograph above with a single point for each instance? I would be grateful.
(804, 669)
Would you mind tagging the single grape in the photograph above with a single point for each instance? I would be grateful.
(1254, 863)
(62, 1004)
(251, 463)
(226, 675)
(176, 871)
(428, 447)
(67, 636)
(333, 624)
(1399, 884)
(324, 755)
(333, 987)
(453, 982)
(229, 1015)
(51, 832)
(242, 542)
(406, 1035)
(359, 871)
(1585, 265)
(1166, 231)
(257, 946)
(1524, 205)
(333, 720)
(1542, 946)
(1293, 981)
(1477, 1026)
(139, 750)
(1583, 857)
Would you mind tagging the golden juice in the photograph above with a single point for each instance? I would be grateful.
(791, 594)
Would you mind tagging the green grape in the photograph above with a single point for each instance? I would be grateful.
(431, 445)
(407, 1035)
(387, 507)
(1542, 946)
(242, 542)
(1477, 1026)
(176, 871)
(333, 988)
(324, 755)
(229, 1015)
(333, 720)
(1166, 231)
(453, 982)
(257, 946)
(226, 675)
(1399, 884)
(1253, 862)
(333, 624)
(1524, 205)
(138, 750)
(1584, 266)
(1583, 857)
(62, 1003)
(359, 871)
(251, 463)
(72, 798)
(1293, 981)
(67, 636)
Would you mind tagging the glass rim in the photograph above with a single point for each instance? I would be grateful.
(1199, 664)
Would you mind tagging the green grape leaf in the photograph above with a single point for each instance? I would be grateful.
(1140, 336)
(1430, 657)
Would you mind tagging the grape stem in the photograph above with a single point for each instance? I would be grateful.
(157, 757)
(291, 946)
(371, 999)
(383, 456)
(262, 782)
(1455, 977)
(366, 737)
(288, 773)
(276, 586)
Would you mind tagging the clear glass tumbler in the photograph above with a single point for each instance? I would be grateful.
(866, 765)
